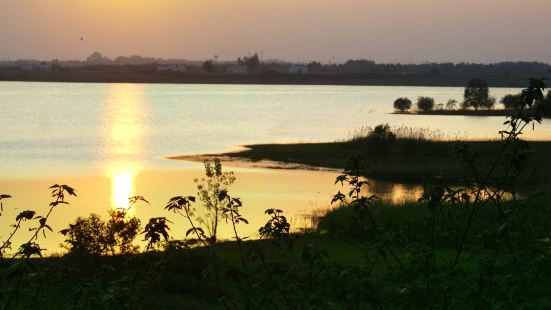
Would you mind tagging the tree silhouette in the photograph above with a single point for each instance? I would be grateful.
(477, 96)
(425, 104)
(402, 104)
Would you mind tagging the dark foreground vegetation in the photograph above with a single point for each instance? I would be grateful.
(477, 244)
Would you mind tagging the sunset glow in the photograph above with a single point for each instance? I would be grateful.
(312, 30)
(124, 140)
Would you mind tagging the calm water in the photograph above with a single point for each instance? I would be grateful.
(110, 140)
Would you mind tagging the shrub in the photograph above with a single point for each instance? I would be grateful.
(510, 101)
(451, 104)
(425, 104)
(381, 132)
(402, 104)
(94, 236)
(209, 189)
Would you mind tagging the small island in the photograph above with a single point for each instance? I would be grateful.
(476, 102)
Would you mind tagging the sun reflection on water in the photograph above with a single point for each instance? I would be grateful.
(125, 136)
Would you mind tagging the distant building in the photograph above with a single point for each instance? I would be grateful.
(237, 69)
(298, 69)
(27, 66)
(172, 68)
(32, 65)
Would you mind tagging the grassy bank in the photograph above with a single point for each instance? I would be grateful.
(406, 160)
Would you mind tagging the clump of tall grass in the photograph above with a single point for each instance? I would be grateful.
(403, 133)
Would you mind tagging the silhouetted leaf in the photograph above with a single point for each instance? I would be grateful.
(135, 199)
(27, 215)
(338, 197)
(55, 203)
(222, 195)
(69, 190)
(341, 179)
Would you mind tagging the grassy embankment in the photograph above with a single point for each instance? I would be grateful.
(406, 159)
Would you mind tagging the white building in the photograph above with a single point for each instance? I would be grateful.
(298, 69)
(172, 68)
(237, 69)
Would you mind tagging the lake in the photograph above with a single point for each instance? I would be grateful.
(111, 141)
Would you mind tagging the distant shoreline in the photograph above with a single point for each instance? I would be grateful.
(148, 75)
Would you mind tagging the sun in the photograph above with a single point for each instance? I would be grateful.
(123, 184)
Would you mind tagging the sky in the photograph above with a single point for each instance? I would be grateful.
(406, 31)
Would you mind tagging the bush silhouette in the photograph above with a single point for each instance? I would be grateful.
(511, 101)
(425, 104)
(94, 236)
(402, 104)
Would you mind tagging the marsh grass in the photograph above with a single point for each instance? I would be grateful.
(404, 133)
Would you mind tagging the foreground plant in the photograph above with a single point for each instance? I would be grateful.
(94, 236)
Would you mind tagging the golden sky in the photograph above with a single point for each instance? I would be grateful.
(296, 30)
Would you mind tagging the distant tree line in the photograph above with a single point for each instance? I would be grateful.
(352, 66)
(369, 66)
